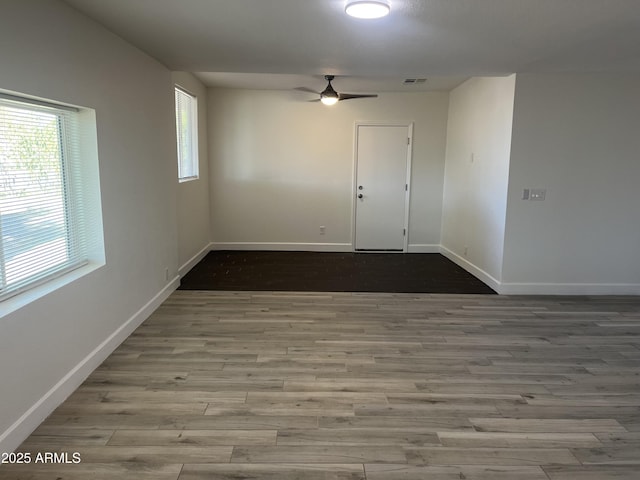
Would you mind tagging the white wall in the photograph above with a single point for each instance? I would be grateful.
(193, 196)
(578, 136)
(51, 51)
(282, 166)
(477, 173)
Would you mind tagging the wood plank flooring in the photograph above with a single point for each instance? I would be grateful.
(357, 386)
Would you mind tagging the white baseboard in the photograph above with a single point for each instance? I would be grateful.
(513, 288)
(423, 248)
(193, 261)
(310, 247)
(37, 413)
(471, 268)
(569, 289)
(284, 246)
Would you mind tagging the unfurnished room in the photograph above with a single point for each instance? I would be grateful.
(320, 239)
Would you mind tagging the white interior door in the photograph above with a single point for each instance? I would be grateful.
(382, 154)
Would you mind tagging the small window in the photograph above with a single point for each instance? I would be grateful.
(42, 218)
(187, 134)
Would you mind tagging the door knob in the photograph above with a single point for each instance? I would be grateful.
(360, 187)
(360, 195)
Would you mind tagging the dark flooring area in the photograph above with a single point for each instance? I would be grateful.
(331, 272)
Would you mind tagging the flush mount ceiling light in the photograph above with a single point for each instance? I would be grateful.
(368, 8)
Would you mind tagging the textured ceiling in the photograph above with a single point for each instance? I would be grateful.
(303, 39)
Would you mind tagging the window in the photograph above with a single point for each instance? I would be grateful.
(42, 220)
(187, 134)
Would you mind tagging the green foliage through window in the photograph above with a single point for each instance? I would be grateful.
(38, 237)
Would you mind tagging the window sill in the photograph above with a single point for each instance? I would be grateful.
(187, 179)
(12, 304)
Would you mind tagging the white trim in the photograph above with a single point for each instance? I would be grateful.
(500, 287)
(423, 248)
(354, 185)
(20, 98)
(284, 246)
(193, 261)
(569, 289)
(542, 288)
(194, 160)
(18, 301)
(179, 86)
(471, 268)
(11, 438)
(407, 193)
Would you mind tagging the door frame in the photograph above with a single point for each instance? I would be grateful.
(354, 186)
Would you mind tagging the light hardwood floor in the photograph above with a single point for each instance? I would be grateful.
(281, 386)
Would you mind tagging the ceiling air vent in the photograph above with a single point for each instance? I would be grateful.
(413, 81)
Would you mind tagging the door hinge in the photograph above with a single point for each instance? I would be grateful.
(406, 187)
(408, 140)
(404, 232)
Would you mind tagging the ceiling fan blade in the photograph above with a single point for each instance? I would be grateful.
(349, 96)
(308, 90)
(316, 100)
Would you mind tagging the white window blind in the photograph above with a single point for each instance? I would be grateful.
(187, 134)
(42, 223)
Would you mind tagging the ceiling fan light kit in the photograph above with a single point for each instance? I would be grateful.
(329, 100)
(368, 9)
(330, 97)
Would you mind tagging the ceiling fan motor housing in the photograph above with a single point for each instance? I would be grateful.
(329, 92)
(329, 96)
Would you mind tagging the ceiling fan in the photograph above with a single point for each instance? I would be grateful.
(329, 96)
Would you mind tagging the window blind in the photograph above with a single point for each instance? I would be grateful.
(42, 232)
(187, 134)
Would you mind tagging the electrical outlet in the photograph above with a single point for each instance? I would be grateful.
(166, 274)
(538, 193)
(466, 250)
(525, 194)
(323, 229)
